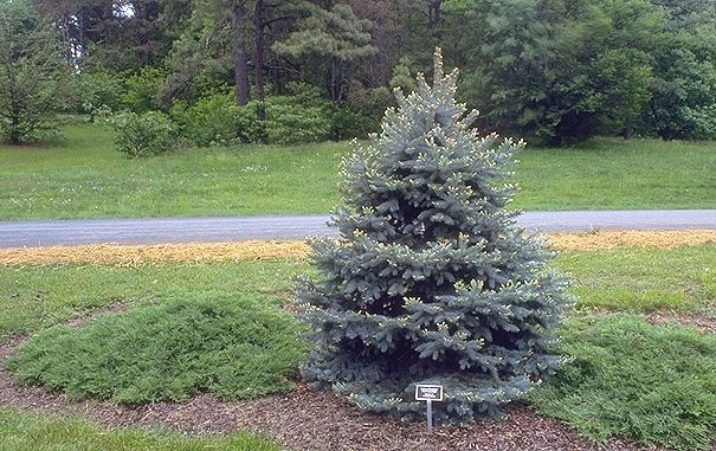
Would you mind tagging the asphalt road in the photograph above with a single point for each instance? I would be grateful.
(173, 230)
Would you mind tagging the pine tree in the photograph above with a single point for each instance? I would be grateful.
(431, 280)
(33, 75)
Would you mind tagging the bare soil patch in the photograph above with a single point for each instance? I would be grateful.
(703, 323)
(114, 308)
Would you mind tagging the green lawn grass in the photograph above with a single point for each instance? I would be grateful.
(644, 279)
(636, 279)
(84, 177)
(21, 431)
(87, 178)
(35, 297)
(611, 173)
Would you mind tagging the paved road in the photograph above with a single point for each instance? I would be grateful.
(136, 231)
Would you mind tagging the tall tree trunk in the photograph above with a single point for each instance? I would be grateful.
(82, 52)
(241, 65)
(259, 56)
(15, 134)
(14, 131)
(435, 18)
(66, 38)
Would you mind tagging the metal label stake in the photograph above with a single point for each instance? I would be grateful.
(429, 393)
(430, 416)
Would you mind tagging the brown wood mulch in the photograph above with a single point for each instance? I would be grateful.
(703, 323)
(304, 419)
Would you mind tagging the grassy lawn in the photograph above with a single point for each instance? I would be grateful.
(32, 298)
(85, 178)
(610, 173)
(644, 279)
(635, 279)
(28, 432)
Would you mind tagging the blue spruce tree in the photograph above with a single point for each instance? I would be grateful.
(431, 281)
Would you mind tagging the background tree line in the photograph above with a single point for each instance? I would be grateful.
(218, 71)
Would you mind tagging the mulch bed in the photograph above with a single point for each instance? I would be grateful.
(305, 419)
(702, 323)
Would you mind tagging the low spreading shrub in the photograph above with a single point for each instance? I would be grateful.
(628, 378)
(169, 351)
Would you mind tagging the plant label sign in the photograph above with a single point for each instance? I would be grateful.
(428, 392)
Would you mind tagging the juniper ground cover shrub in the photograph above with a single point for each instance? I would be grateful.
(234, 348)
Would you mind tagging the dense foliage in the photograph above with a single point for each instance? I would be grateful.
(628, 378)
(142, 135)
(431, 280)
(33, 74)
(234, 349)
(556, 71)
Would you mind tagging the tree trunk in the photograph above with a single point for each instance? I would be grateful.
(435, 18)
(259, 56)
(241, 66)
(15, 135)
(14, 131)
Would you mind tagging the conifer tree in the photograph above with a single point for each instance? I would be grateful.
(431, 280)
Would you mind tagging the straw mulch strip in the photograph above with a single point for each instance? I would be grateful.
(664, 239)
(121, 255)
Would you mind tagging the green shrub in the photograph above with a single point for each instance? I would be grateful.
(142, 135)
(650, 384)
(289, 122)
(683, 104)
(100, 89)
(347, 123)
(142, 90)
(250, 128)
(170, 351)
(212, 120)
(362, 112)
(298, 117)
